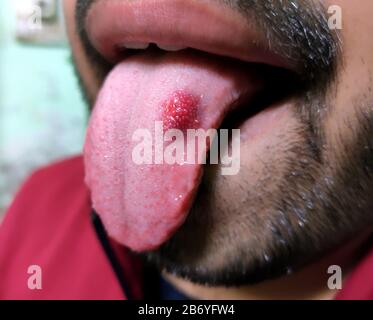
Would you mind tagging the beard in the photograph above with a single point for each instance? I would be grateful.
(298, 196)
(262, 224)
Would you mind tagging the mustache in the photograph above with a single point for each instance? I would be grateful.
(298, 30)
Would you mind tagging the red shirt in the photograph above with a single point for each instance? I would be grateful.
(49, 225)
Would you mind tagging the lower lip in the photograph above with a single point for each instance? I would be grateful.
(261, 124)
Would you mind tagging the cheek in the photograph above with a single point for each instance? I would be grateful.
(84, 68)
(354, 85)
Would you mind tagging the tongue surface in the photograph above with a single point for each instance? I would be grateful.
(141, 206)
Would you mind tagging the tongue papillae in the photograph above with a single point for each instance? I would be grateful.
(141, 206)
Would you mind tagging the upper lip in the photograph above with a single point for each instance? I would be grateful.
(172, 24)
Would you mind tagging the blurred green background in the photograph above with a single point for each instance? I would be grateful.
(42, 115)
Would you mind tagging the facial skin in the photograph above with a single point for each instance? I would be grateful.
(306, 188)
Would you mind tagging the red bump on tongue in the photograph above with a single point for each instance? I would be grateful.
(180, 111)
(141, 206)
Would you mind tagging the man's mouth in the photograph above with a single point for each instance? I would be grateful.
(159, 49)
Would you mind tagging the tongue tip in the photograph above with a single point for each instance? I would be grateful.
(132, 242)
(146, 239)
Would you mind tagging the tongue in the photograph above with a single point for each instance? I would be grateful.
(141, 206)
